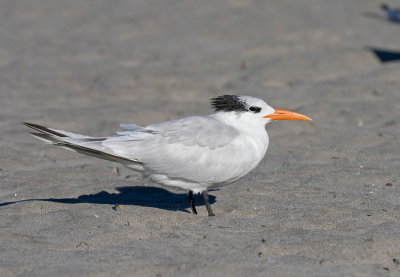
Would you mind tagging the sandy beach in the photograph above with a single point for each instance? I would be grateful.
(324, 201)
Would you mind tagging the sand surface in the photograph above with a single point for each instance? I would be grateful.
(319, 203)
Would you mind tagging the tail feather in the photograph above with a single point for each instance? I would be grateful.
(61, 139)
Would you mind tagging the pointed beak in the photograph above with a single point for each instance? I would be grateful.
(286, 115)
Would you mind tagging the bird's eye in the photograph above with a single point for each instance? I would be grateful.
(255, 109)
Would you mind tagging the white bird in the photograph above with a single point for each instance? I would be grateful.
(194, 153)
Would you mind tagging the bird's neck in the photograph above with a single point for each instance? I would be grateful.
(254, 132)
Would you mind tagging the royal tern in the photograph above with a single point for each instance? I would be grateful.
(194, 153)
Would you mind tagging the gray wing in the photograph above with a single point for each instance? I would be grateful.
(198, 131)
(181, 148)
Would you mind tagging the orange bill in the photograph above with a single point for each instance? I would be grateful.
(286, 115)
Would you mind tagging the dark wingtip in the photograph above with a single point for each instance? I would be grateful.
(34, 126)
(43, 129)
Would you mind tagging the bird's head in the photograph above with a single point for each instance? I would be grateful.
(253, 109)
(384, 7)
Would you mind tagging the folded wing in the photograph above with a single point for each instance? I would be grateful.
(182, 149)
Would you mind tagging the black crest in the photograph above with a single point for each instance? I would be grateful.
(228, 103)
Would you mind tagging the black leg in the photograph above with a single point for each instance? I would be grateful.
(205, 197)
(191, 201)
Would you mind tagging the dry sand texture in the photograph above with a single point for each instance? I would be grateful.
(318, 205)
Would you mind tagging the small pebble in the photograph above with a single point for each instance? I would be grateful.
(242, 65)
(96, 216)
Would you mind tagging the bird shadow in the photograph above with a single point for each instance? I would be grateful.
(135, 196)
(376, 16)
(380, 17)
(385, 56)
